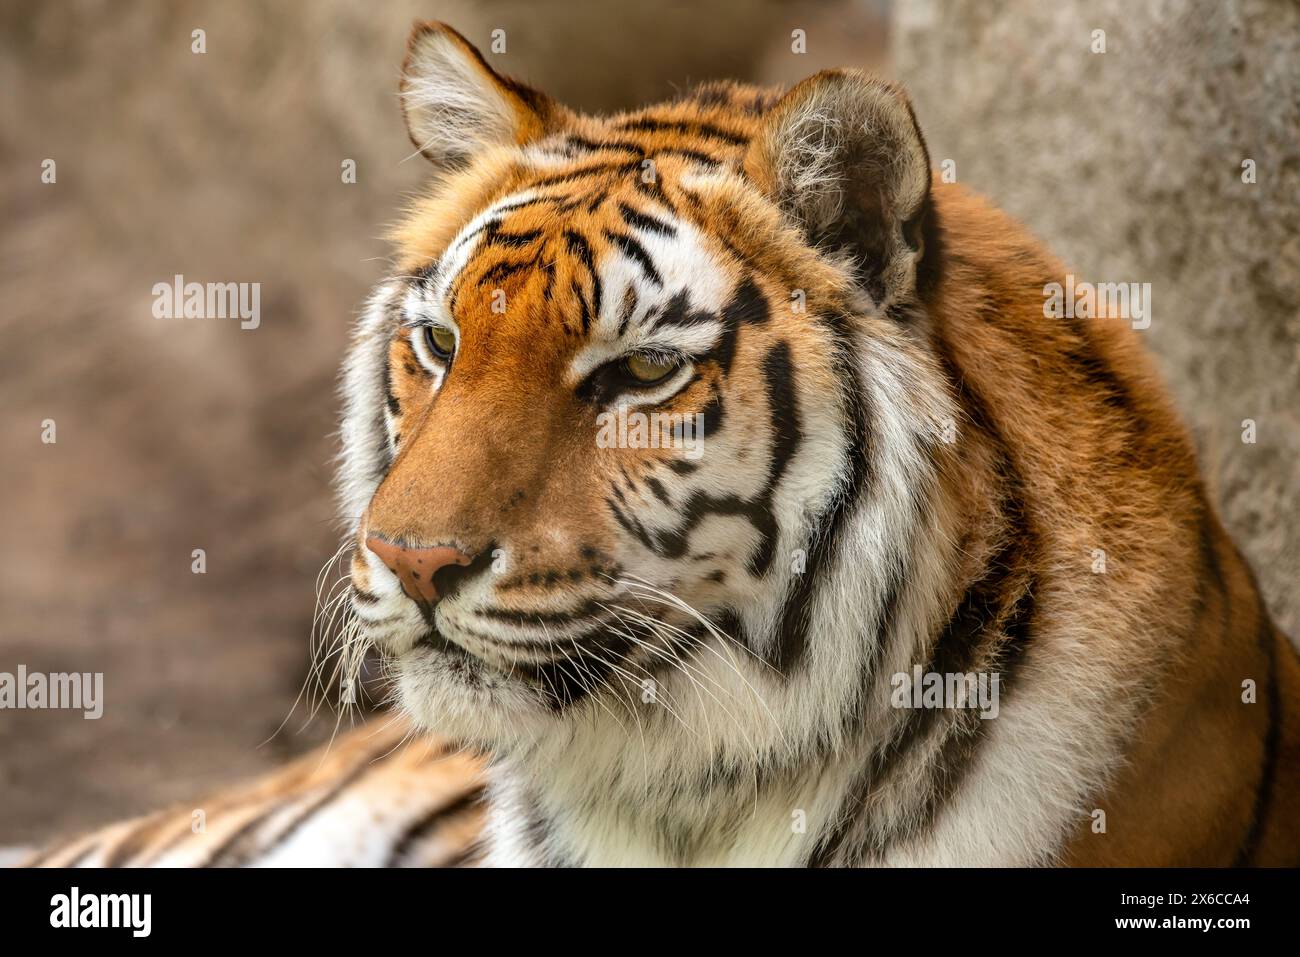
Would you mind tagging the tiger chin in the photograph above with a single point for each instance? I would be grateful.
(865, 457)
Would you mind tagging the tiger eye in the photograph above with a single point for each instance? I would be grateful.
(645, 369)
(441, 342)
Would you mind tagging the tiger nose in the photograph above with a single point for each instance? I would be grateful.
(415, 567)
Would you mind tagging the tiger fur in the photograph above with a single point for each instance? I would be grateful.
(369, 799)
(691, 661)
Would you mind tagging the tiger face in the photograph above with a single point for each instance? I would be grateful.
(605, 428)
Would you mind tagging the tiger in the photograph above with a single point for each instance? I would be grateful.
(872, 459)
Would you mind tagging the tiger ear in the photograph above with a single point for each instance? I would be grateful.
(843, 157)
(456, 105)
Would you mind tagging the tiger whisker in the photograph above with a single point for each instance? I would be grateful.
(676, 660)
(619, 670)
(650, 590)
(312, 638)
(686, 670)
(661, 692)
(657, 627)
(633, 638)
(566, 655)
(645, 590)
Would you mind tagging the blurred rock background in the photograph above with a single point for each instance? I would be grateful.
(225, 166)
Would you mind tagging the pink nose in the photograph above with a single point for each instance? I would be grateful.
(415, 567)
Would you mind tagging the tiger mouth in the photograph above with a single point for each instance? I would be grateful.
(571, 676)
(435, 640)
(468, 662)
(551, 674)
(551, 680)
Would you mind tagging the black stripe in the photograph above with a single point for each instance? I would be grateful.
(496, 236)
(425, 275)
(1212, 569)
(537, 829)
(651, 190)
(523, 618)
(711, 93)
(420, 829)
(1100, 379)
(628, 309)
(390, 398)
(896, 578)
(747, 307)
(761, 103)
(598, 169)
(714, 412)
(184, 832)
(634, 250)
(523, 204)
(695, 156)
(561, 688)
(478, 230)
(1268, 762)
(568, 688)
(575, 143)
(677, 313)
(639, 220)
(796, 615)
(363, 597)
(657, 487)
(470, 855)
(787, 436)
(982, 630)
(504, 270)
(237, 849)
(584, 311)
(627, 479)
(579, 246)
(633, 527)
(548, 267)
(592, 146)
(648, 124)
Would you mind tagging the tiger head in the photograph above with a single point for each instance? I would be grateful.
(633, 437)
